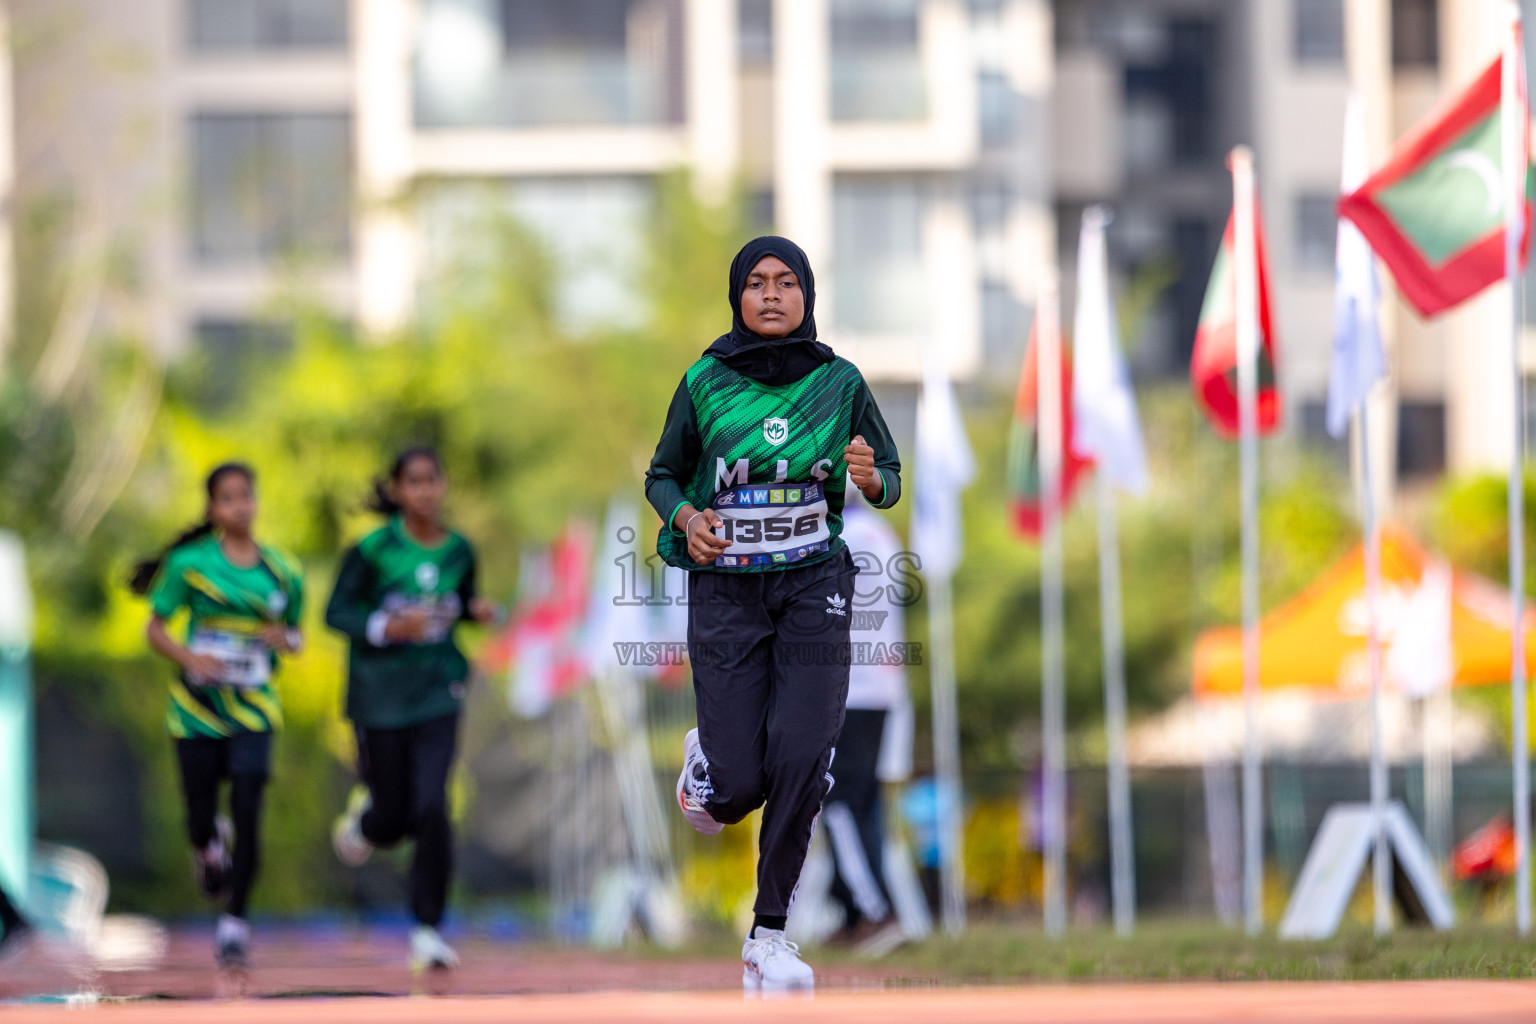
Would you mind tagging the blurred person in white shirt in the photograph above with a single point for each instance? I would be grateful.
(875, 745)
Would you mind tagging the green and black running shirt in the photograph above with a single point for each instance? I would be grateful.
(227, 605)
(768, 459)
(397, 685)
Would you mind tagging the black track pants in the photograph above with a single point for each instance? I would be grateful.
(244, 759)
(770, 677)
(407, 775)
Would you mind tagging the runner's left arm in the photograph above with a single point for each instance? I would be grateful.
(868, 422)
(676, 457)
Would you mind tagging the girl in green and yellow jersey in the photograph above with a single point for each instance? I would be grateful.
(243, 601)
(401, 591)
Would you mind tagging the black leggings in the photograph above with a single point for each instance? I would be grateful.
(770, 675)
(243, 759)
(407, 775)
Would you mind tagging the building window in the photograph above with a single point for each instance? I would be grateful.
(1319, 31)
(754, 33)
(877, 70)
(268, 24)
(877, 255)
(1170, 108)
(998, 108)
(268, 185)
(1316, 235)
(1416, 34)
(1420, 439)
(514, 63)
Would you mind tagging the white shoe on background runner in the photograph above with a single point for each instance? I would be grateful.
(347, 833)
(211, 865)
(232, 941)
(429, 952)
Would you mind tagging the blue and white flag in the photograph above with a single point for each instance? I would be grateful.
(1105, 427)
(945, 466)
(1358, 361)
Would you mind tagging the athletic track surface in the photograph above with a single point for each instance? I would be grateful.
(345, 979)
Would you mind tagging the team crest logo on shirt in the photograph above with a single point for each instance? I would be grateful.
(775, 430)
(426, 576)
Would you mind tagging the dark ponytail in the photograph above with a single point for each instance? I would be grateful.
(144, 572)
(381, 501)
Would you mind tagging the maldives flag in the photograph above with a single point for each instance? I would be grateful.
(1213, 369)
(1434, 212)
(1025, 487)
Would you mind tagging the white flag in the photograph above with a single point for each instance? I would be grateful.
(617, 617)
(1105, 426)
(1358, 362)
(1421, 659)
(944, 468)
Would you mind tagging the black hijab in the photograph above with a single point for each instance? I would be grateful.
(771, 361)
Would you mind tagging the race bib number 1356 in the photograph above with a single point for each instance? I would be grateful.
(774, 524)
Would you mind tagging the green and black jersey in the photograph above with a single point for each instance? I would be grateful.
(227, 606)
(396, 685)
(768, 459)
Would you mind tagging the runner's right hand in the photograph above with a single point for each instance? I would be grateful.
(703, 546)
(407, 626)
(204, 669)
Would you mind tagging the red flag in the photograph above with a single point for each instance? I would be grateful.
(1213, 369)
(1025, 486)
(539, 645)
(1434, 213)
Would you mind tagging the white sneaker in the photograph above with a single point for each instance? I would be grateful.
(430, 952)
(212, 864)
(693, 784)
(771, 966)
(347, 833)
(232, 939)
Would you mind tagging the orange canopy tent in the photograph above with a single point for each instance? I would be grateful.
(1317, 640)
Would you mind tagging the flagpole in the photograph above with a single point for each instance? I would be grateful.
(946, 753)
(1381, 862)
(1121, 851)
(1513, 136)
(944, 467)
(1052, 695)
(1248, 422)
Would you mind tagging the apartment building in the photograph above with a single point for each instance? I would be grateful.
(923, 151)
(223, 147)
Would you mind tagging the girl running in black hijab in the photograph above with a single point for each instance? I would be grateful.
(748, 479)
